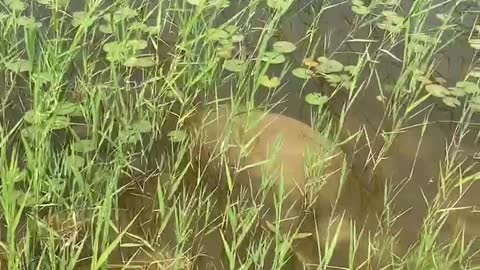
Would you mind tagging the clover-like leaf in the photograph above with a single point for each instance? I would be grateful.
(316, 99)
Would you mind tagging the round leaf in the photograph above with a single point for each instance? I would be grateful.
(75, 161)
(234, 65)
(137, 44)
(59, 122)
(273, 57)
(451, 102)
(309, 62)
(18, 66)
(142, 126)
(269, 82)
(316, 99)
(105, 28)
(475, 72)
(469, 87)
(330, 66)
(177, 135)
(84, 146)
(216, 34)
(284, 47)
(436, 90)
(142, 62)
(236, 38)
(302, 73)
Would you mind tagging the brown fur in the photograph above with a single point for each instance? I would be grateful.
(249, 139)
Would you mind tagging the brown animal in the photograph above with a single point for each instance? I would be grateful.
(256, 146)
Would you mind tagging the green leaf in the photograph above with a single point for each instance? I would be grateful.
(269, 82)
(28, 22)
(475, 43)
(231, 28)
(67, 108)
(142, 62)
(106, 28)
(18, 66)
(469, 87)
(284, 47)
(234, 65)
(237, 38)
(194, 2)
(177, 135)
(75, 161)
(29, 117)
(273, 57)
(142, 126)
(84, 146)
(457, 92)
(361, 10)
(278, 4)
(59, 122)
(80, 18)
(152, 30)
(475, 72)
(216, 34)
(329, 66)
(302, 73)
(137, 26)
(316, 99)
(17, 5)
(451, 102)
(436, 90)
(350, 69)
(124, 13)
(137, 44)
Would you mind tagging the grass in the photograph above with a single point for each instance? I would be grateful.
(96, 97)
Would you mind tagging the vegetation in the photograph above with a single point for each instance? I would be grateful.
(95, 96)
